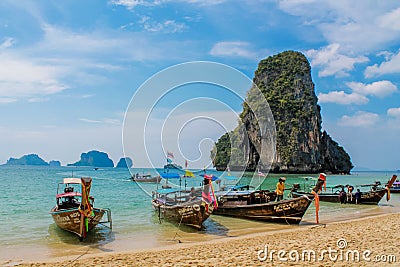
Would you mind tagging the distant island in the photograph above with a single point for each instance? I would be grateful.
(32, 160)
(125, 163)
(94, 158)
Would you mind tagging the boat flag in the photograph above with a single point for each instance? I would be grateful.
(389, 185)
(170, 155)
(186, 164)
(322, 176)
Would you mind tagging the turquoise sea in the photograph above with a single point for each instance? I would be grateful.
(29, 233)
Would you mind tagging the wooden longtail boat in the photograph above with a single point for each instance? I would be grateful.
(191, 208)
(74, 211)
(147, 178)
(177, 206)
(261, 205)
(371, 197)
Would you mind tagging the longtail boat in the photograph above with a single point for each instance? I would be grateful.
(370, 197)
(261, 205)
(189, 207)
(74, 211)
(146, 178)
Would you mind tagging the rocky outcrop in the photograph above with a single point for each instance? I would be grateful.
(125, 163)
(54, 163)
(301, 147)
(94, 158)
(30, 159)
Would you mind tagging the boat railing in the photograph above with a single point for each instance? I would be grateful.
(107, 223)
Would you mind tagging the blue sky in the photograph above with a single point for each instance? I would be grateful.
(70, 68)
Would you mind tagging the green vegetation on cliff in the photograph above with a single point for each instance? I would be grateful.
(285, 81)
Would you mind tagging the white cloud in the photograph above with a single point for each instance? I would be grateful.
(332, 61)
(390, 20)
(22, 77)
(233, 49)
(167, 26)
(379, 89)
(102, 121)
(394, 112)
(130, 4)
(8, 42)
(340, 97)
(38, 99)
(360, 119)
(357, 25)
(391, 65)
(7, 100)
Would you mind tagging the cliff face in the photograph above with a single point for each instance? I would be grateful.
(124, 163)
(285, 80)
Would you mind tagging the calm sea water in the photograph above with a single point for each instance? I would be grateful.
(28, 193)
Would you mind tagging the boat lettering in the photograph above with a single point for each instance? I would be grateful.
(286, 206)
(62, 219)
(186, 211)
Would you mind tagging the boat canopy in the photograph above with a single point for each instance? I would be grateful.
(72, 181)
(164, 191)
(170, 175)
(69, 194)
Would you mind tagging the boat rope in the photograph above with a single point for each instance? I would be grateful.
(77, 258)
(176, 233)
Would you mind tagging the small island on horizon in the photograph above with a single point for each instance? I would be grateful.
(92, 158)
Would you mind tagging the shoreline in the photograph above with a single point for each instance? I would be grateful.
(358, 233)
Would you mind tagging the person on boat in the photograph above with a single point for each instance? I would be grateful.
(357, 195)
(350, 189)
(280, 188)
(342, 196)
(192, 194)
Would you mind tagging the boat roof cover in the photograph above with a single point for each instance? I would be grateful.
(69, 194)
(72, 180)
(170, 175)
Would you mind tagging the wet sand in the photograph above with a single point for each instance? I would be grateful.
(360, 242)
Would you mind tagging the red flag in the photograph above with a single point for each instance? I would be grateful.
(170, 155)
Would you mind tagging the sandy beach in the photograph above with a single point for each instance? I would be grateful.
(361, 242)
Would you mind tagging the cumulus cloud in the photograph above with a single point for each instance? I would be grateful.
(7, 42)
(233, 49)
(379, 89)
(391, 65)
(167, 26)
(357, 26)
(340, 97)
(360, 119)
(332, 62)
(22, 77)
(390, 20)
(394, 112)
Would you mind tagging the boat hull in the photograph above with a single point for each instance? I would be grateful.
(370, 198)
(285, 211)
(70, 219)
(192, 213)
(155, 180)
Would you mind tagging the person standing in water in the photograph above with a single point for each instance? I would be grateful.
(280, 188)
